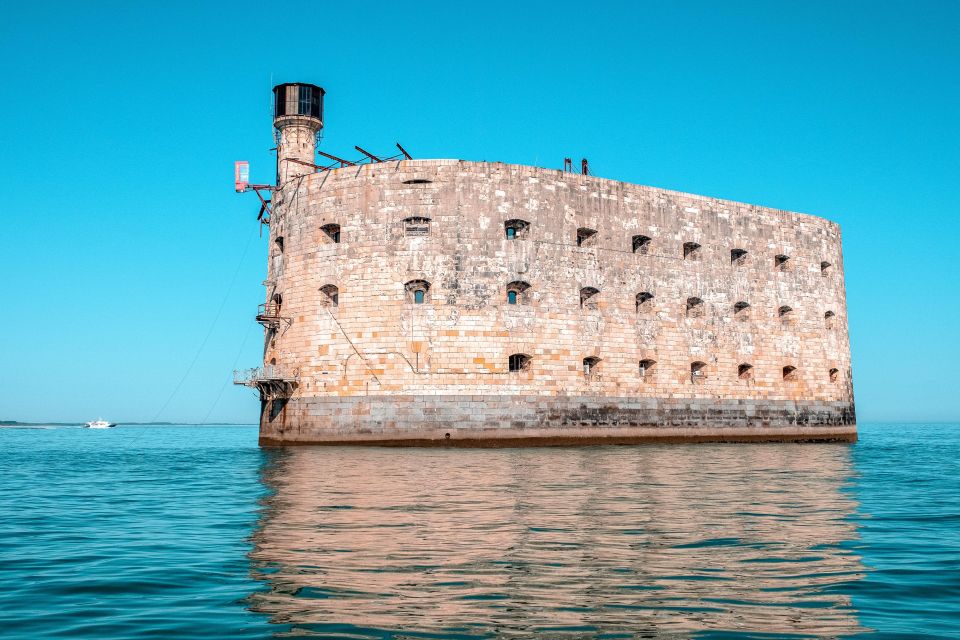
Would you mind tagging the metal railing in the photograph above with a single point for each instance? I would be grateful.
(266, 373)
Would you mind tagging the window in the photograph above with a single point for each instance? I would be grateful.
(789, 373)
(695, 308)
(834, 374)
(516, 229)
(828, 319)
(698, 372)
(517, 292)
(781, 262)
(519, 362)
(418, 181)
(641, 244)
(741, 311)
(417, 291)
(586, 237)
(646, 368)
(590, 366)
(416, 226)
(331, 295)
(691, 251)
(826, 268)
(738, 257)
(279, 243)
(588, 297)
(745, 371)
(332, 231)
(786, 314)
(644, 302)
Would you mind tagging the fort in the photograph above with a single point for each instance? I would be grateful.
(445, 302)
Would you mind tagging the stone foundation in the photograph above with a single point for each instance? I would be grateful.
(499, 421)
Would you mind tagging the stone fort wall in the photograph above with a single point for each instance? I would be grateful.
(736, 312)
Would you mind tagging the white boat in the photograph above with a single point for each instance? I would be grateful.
(100, 423)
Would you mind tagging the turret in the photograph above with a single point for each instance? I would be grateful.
(298, 118)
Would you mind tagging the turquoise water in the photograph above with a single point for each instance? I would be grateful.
(186, 532)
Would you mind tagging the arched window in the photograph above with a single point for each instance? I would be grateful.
(695, 308)
(826, 268)
(332, 231)
(738, 257)
(516, 229)
(588, 297)
(781, 262)
(745, 371)
(416, 226)
(590, 365)
(646, 368)
(786, 314)
(277, 299)
(834, 374)
(644, 302)
(417, 291)
(789, 373)
(641, 244)
(741, 311)
(518, 362)
(517, 292)
(331, 295)
(586, 237)
(691, 251)
(698, 372)
(279, 243)
(828, 319)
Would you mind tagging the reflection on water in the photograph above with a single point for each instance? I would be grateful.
(624, 541)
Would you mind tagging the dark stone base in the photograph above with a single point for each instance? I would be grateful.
(513, 421)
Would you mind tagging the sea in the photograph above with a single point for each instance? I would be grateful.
(196, 532)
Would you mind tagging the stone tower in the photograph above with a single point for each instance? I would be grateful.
(298, 118)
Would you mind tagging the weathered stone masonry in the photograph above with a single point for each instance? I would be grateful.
(700, 319)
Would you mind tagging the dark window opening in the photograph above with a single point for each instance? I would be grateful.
(516, 229)
(789, 373)
(331, 295)
(834, 375)
(738, 257)
(741, 311)
(332, 231)
(416, 226)
(588, 297)
(418, 181)
(590, 365)
(586, 237)
(825, 268)
(519, 362)
(781, 262)
(646, 368)
(641, 244)
(517, 292)
(828, 319)
(745, 371)
(785, 313)
(417, 291)
(698, 372)
(644, 301)
(695, 308)
(279, 243)
(691, 251)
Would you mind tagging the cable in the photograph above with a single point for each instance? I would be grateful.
(209, 331)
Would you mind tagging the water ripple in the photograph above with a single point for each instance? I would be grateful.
(185, 532)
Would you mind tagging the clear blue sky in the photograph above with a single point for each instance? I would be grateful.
(119, 124)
